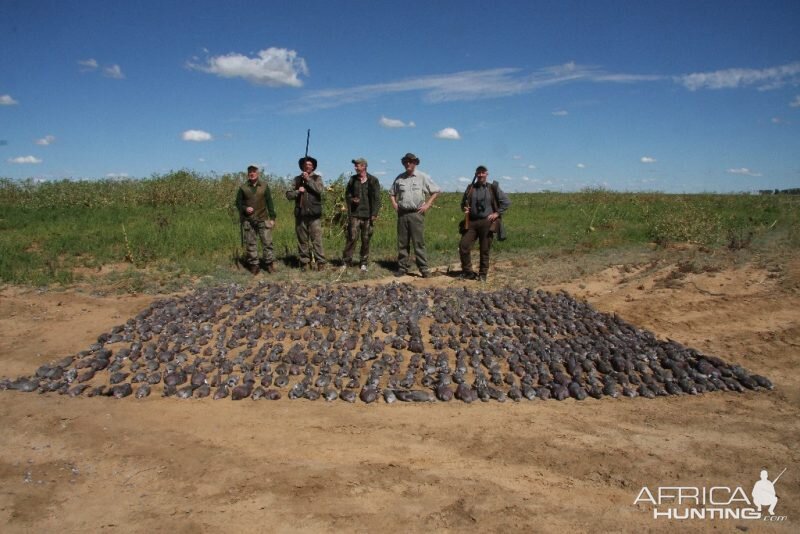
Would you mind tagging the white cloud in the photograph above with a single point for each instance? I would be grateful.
(113, 72)
(6, 100)
(196, 135)
(776, 120)
(395, 123)
(531, 166)
(647, 159)
(503, 82)
(468, 85)
(525, 179)
(87, 64)
(117, 175)
(744, 171)
(25, 160)
(464, 179)
(46, 140)
(581, 166)
(273, 67)
(507, 178)
(379, 173)
(763, 79)
(448, 133)
(516, 156)
(795, 103)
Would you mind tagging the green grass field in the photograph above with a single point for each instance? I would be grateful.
(182, 226)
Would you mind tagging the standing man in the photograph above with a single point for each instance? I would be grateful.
(363, 199)
(483, 205)
(409, 192)
(257, 218)
(307, 195)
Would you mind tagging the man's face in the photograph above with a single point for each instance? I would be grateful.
(308, 167)
(482, 176)
(252, 176)
(410, 166)
(361, 169)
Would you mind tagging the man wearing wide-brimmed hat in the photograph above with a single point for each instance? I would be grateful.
(412, 194)
(306, 192)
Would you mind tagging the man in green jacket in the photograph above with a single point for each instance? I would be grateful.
(257, 219)
(363, 199)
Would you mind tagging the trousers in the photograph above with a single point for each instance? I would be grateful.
(255, 231)
(309, 238)
(411, 229)
(356, 227)
(478, 231)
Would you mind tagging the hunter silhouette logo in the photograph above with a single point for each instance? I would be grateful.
(764, 492)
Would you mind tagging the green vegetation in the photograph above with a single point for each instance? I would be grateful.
(182, 226)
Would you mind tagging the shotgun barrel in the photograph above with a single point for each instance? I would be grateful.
(469, 201)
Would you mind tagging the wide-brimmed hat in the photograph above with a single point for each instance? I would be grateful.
(410, 157)
(302, 161)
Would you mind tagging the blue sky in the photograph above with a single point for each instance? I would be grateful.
(676, 96)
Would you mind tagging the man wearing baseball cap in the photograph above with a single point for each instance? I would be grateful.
(363, 200)
(412, 194)
(257, 219)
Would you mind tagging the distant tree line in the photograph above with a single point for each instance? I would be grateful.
(792, 191)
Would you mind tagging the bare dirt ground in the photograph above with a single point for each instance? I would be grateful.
(155, 465)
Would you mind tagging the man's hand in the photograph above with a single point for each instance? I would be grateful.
(248, 210)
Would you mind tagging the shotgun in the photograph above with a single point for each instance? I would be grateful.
(303, 195)
(779, 476)
(469, 202)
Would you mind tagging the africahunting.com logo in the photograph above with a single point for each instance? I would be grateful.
(715, 502)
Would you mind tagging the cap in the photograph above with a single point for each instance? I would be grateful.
(360, 160)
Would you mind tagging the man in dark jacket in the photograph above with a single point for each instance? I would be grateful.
(257, 219)
(483, 205)
(306, 192)
(363, 199)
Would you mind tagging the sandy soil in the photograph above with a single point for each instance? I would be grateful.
(155, 465)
